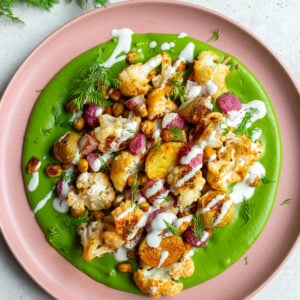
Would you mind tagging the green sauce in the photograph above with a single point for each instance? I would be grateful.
(49, 121)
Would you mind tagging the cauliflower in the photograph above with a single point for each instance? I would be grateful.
(114, 134)
(129, 219)
(206, 69)
(134, 79)
(94, 192)
(209, 132)
(96, 241)
(158, 103)
(92, 240)
(158, 282)
(124, 165)
(187, 183)
(232, 161)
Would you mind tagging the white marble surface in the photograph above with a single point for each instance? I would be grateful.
(275, 22)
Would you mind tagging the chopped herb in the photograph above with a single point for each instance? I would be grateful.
(198, 226)
(73, 222)
(246, 260)
(172, 228)
(53, 231)
(105, 168)
(243, 126)
(58, 116)
(176, 133)
(90, 87)
(266, 180)
(45, 131)
(286, 201)
(178, 90)
(215, 36)
(247, 210)
(130, 131)
(135, 187)
(157, 146)
(130, 228)
(165, 198)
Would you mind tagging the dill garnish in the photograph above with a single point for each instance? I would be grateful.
(178, 90)
(215, 36)
(73, 222)
(247, 210)
(172, 228)
(266, 180)
(176, 134)
(198, 226)
(91, 84)
(286, 201)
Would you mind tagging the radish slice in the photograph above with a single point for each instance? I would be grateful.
(229, 102)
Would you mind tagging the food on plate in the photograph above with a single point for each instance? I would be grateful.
(149, 162)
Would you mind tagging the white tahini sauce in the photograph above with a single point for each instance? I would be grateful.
(163, 257)
(60, 205)
(152, 44)
(33, 182)
(195, 151)
(182, 35)
(123, 46)
(225, 208)
(211, 204)
(242, 190)
(43, 202)
(120, 254)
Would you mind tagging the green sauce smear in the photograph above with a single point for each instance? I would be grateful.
(49, 121)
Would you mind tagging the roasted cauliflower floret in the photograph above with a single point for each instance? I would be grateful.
(158, 103)
(156, 282)
(186, 183)
(216, 209)
(92, 240)
(94, 192)
(232, 161)
(114, 134)
(209, 132)
(134, 79)
(207, 69)
(184, 268)
(123, 165)
(129, 220)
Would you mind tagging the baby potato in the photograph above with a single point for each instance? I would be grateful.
(66, 148)
(160, 159)
(173, 245)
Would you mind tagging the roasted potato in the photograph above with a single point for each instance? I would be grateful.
(161, 159)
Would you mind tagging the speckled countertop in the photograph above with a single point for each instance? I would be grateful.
(275, 22)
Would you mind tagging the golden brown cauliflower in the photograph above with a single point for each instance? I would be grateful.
(158, 104)
(134, 79)
(186, 183)
(115, 133)
(92, 240)
(123, 165)
(206, 68)
(94, 192)
(158, 282)
(232, 161)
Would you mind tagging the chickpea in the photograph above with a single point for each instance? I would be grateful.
(70, 107)
(115, 95)
(83, 165)
(118, 109)
(144, 206)
(33, 165)
(107, 110)
(148, 128)
(124, 267)
(132, 57)
(54, 170)
(79, 124)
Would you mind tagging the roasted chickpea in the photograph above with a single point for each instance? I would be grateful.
(118, 109)
(124, 267)
(70, 107)
(33, 165)
(148, 128)
(83, 165)
(79, 124)
(115, 95)
(132, 57)
(53, 170)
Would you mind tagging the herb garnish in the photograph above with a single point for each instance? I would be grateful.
(6, 6)
(45, 131)
(73, 222)
(176, 134)
(172, 228)
(57, 113)
(53, 231)
(286, 201)
(198, 226)
(215, 36)
(178, 90)
(248, 210)
(246, 260)
(242, 128)
(266, 180)
(91, 84)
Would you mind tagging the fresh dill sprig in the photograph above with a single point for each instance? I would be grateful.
(57, 113)
(266, 180)
(165, 198)
(242, 127)
(45, 131)
(90, 86)
(6, 6)
(286, 201)
(157, 146)
(177, 135)
(215, 36)
(73, 222)
(198, 226)
(178, 90)
(172, 228)
(247, 210)
(105, 168)
(53, 231)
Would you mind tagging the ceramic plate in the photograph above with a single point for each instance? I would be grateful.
(18, 225)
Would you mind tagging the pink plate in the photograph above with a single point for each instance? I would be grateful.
(21, 230)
